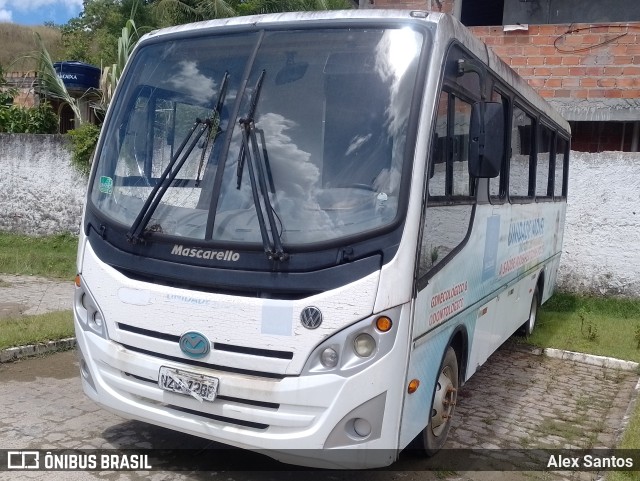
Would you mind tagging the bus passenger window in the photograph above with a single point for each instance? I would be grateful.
(521, 148)
(438, 166)
(561, 162)
(449, 204)
(460, 154)
(543, 164)
(497, 189)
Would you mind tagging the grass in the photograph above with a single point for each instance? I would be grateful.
(49, 256)
(19, 43)
(630, 440)
(21, 331)
(595, 325)
(592, 325)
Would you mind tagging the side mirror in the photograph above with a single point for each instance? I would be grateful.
(486, 139)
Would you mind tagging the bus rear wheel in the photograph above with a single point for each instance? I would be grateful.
(444, 401)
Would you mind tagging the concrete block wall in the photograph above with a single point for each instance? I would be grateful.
(572, 61)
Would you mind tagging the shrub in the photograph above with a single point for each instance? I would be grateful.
(83, 143)
(40, 119)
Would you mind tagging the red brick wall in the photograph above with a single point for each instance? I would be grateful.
(430, 5)
(592, 61)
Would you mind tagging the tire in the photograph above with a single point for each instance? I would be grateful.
(527, 328)
(445, 394)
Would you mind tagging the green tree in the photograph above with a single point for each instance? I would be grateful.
(92, 37)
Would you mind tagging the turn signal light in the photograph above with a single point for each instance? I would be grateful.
(77, 280)
(413, 386)
(383, 324)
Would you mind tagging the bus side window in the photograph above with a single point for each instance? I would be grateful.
(544, 166)
(438, 165)
(520, 166)
(497, 185)
(450, 201)
(460, 153)
(559, 189)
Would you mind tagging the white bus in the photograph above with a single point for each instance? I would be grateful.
(304, 232)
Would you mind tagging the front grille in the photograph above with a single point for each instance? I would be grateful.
(251, 351)
(191, 362)
(215, 417)
(148, 333)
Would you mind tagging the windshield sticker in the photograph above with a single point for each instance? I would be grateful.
(106, 185)
(179, 250)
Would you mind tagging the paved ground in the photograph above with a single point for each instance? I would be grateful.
(31, 295)
(516, 400)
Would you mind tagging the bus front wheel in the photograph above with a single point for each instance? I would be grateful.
(444, 401)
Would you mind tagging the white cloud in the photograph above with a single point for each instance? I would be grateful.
(31, 5)
(5, 15)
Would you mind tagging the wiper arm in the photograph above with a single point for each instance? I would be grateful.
(134, 235)
(251, 152)
(215, 118)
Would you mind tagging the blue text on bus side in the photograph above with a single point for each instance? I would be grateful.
(525, 230)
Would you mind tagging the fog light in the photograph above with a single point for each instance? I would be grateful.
(364, 345)
(329, 358)
(362, 427)
(84, 369)
(97, 320)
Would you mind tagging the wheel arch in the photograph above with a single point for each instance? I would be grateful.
(540, 283)
(459, 341)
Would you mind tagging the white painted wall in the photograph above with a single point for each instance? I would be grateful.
(41, 193)
(601, 252)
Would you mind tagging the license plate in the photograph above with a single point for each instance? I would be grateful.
(199, 386)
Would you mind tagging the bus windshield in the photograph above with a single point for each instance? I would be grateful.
(288, 137)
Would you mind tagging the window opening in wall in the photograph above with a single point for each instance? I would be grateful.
(486, 12)
(605, 136)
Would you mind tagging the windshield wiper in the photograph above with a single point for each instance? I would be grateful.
(134, 235)
(250, 151)
(215, 118)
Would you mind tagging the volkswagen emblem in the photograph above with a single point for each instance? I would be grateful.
(194, 344)
(311, 317)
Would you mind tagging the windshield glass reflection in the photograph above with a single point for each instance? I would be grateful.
(330, 126)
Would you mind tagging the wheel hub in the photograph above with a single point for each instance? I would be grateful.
(443, 402)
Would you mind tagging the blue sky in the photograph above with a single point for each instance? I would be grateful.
(37, 12)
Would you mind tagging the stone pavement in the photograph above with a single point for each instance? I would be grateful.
(29, 295)
(517, 400)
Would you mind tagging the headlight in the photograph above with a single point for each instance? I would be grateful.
(364, 345)
(357, 346)
(87, 312)
(329, 358)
